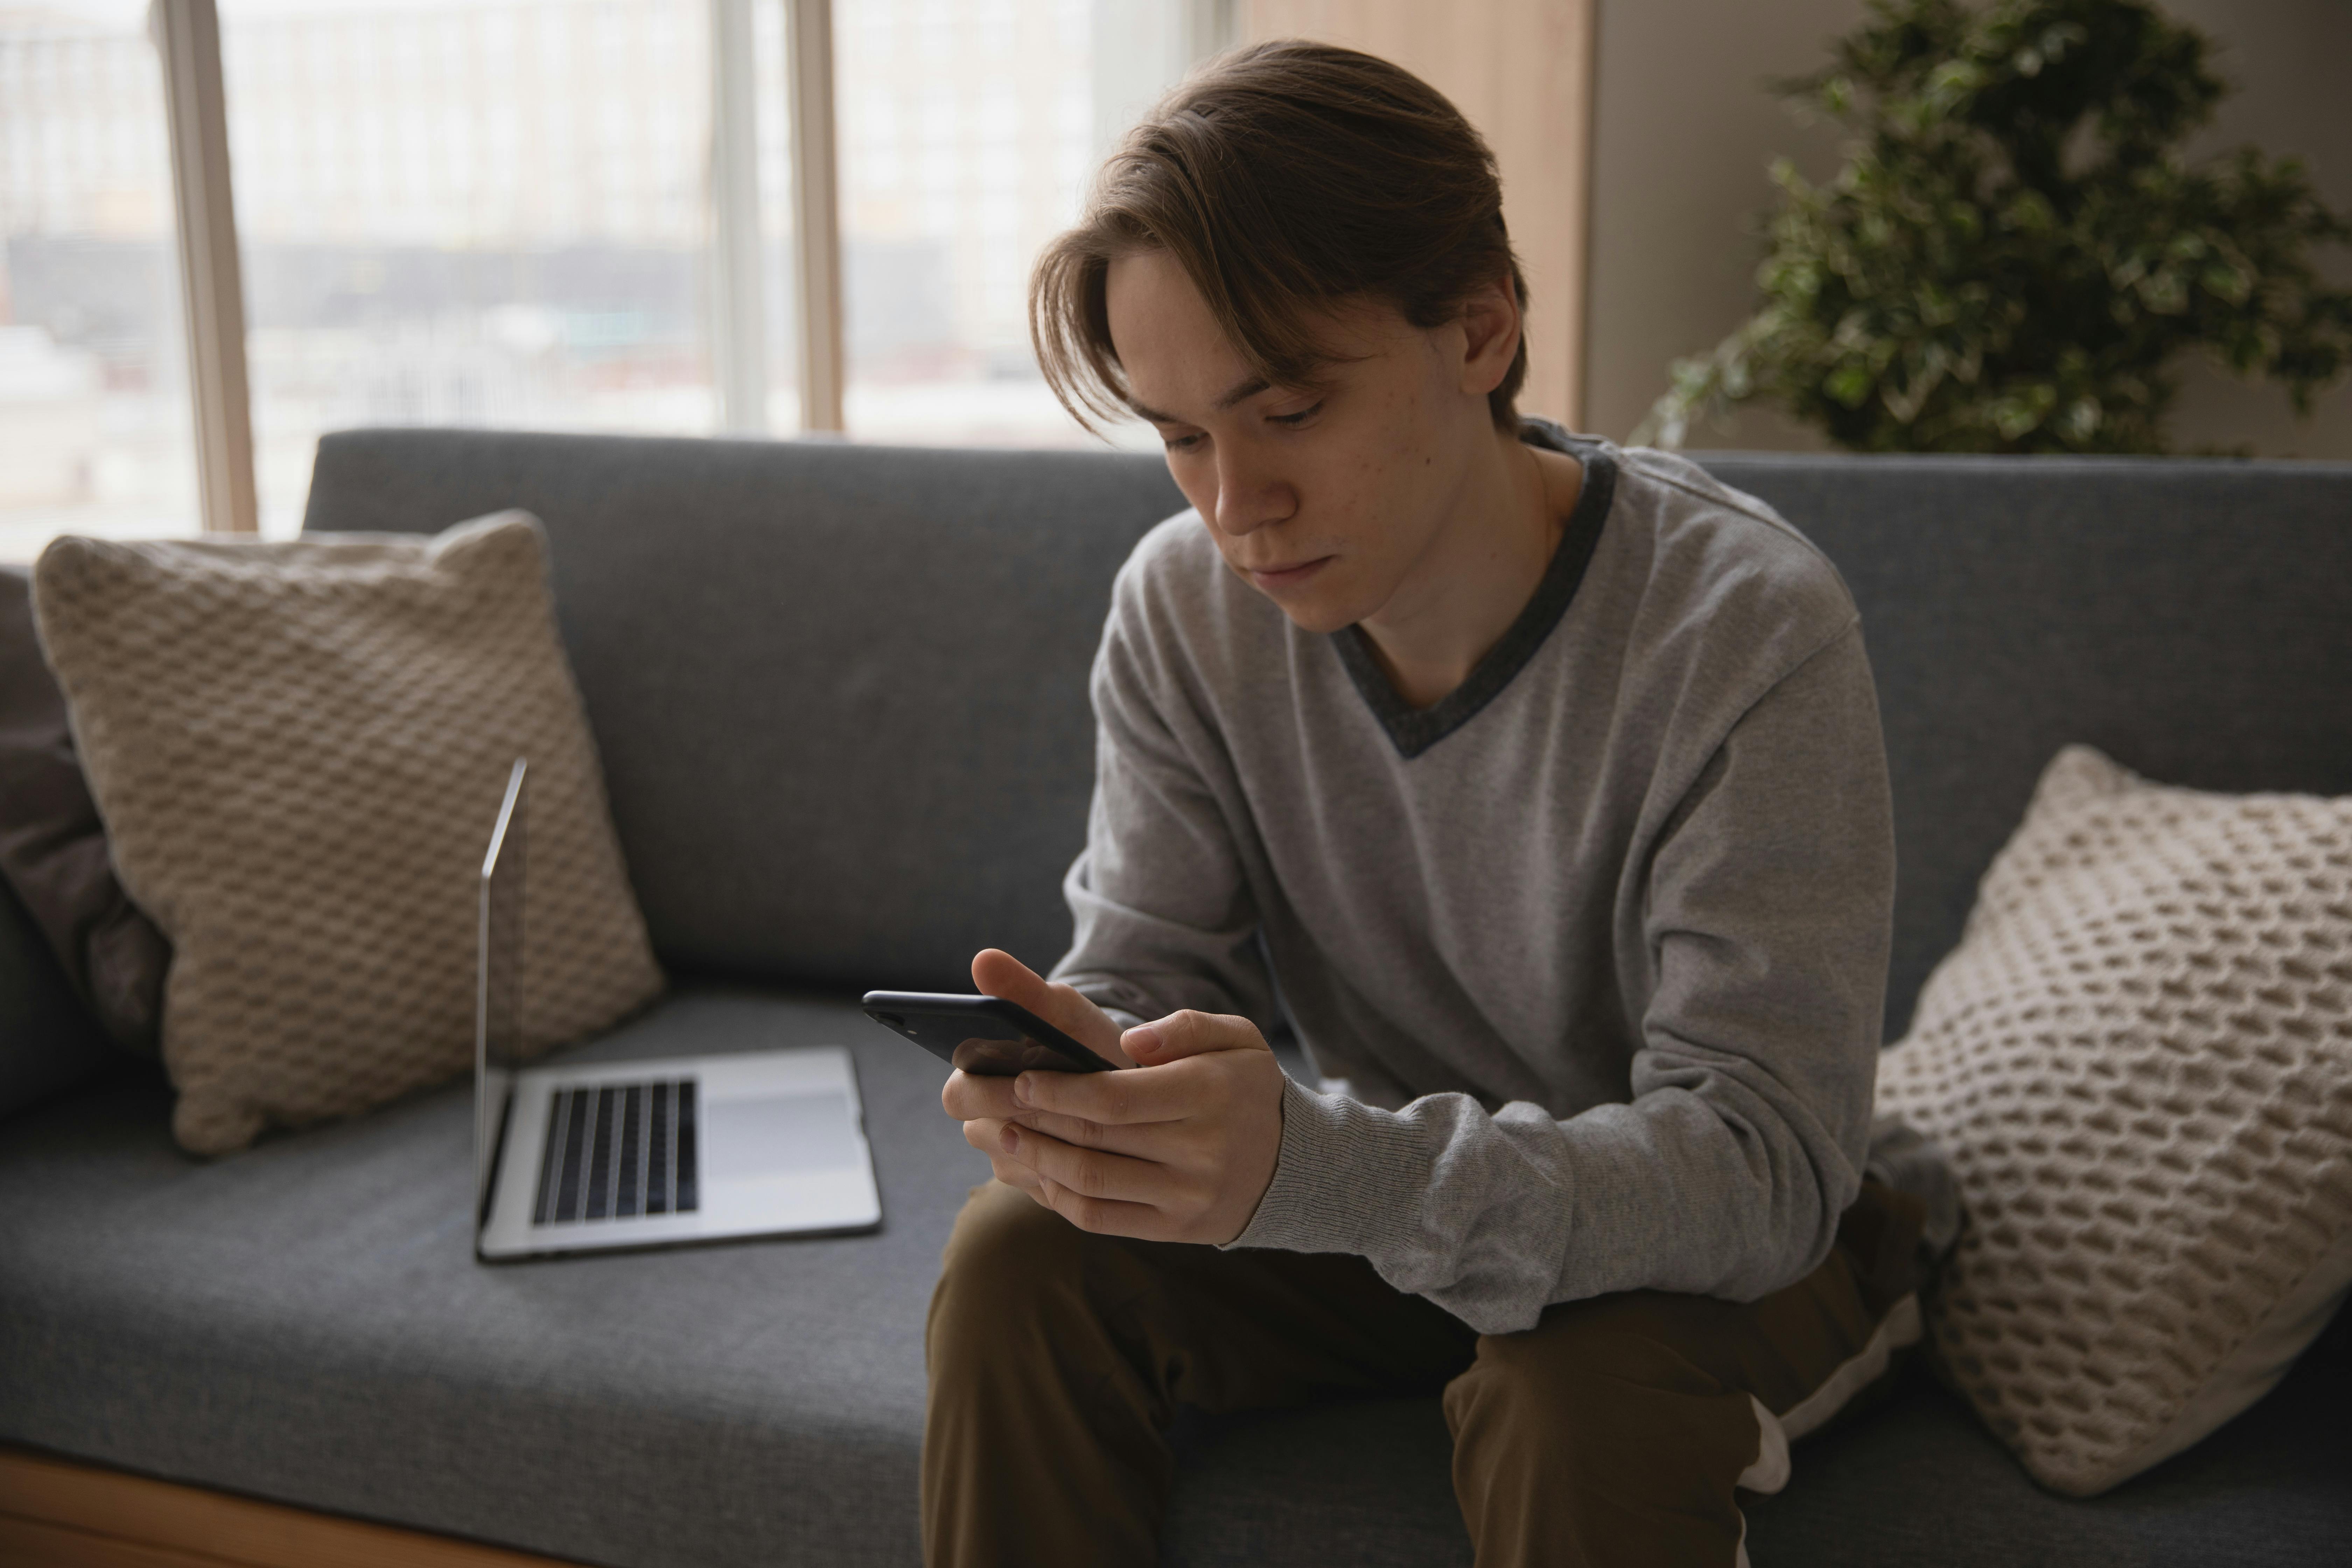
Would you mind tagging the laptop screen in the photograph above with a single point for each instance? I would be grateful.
(498, 997)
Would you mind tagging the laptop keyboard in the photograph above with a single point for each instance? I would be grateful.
(618, 1151)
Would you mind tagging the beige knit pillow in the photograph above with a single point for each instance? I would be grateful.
(299, 750)
(2139, 1059)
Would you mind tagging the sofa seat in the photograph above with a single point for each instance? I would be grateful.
(306, 1322)
(1917, 1480)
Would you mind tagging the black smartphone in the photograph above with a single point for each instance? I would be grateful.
(984, 1034)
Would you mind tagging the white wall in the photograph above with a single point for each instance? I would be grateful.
(1683, 129)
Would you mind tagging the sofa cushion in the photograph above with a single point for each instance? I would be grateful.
(53, 848)
(299, 749)
(2139, 1060)
(306, 1324)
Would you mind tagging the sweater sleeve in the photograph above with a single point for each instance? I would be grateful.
(1158, 899)
(1770, 895)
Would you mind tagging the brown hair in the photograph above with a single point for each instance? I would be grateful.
(1286, 178)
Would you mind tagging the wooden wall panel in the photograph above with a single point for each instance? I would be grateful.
(1522, 71)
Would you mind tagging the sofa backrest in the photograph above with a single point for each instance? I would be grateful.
(840, 691)
(2191, 618)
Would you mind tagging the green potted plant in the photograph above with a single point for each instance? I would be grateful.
(2016, 256)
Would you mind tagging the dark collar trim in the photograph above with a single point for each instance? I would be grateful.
(1414, 731)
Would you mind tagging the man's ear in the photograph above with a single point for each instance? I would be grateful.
(1490, 327)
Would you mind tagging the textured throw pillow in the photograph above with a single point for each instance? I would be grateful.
(53, 851)
(2139, 1061)
(299, 749)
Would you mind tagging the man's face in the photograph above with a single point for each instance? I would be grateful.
(1324, 498)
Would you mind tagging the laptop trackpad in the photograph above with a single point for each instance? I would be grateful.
(772, 1134)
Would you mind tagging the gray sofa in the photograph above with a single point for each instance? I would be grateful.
(840, 695)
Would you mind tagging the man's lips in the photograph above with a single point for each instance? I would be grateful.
(1288, 576)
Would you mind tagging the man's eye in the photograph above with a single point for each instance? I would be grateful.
(1300, 417)
(1181, 443)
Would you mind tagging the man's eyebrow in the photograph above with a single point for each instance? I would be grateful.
(1240, 391)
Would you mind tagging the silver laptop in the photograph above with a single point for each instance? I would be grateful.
(583, 1157)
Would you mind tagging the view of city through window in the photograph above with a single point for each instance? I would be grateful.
(966, 129)
(95, 434)
(465, 214)
(500, 213)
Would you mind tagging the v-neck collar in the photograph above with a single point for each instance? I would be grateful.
(1414, 731)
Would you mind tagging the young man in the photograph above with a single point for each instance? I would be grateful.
(1537, 784)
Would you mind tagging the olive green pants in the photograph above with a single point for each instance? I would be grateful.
(1617, 1430)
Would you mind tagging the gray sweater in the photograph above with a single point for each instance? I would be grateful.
(1598, 942)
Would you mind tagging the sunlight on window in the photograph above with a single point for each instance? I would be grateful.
(94, 425)
(968, 132)
(502, 213)
(470, 213)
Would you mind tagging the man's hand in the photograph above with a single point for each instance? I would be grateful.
(1179, 1148)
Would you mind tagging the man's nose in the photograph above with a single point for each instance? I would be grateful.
(1249, 495)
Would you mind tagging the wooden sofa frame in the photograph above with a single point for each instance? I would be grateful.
(58, 1513)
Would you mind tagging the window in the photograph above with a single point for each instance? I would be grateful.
(967, 133)
(575, 215)
(94, 428)
(470, 213)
